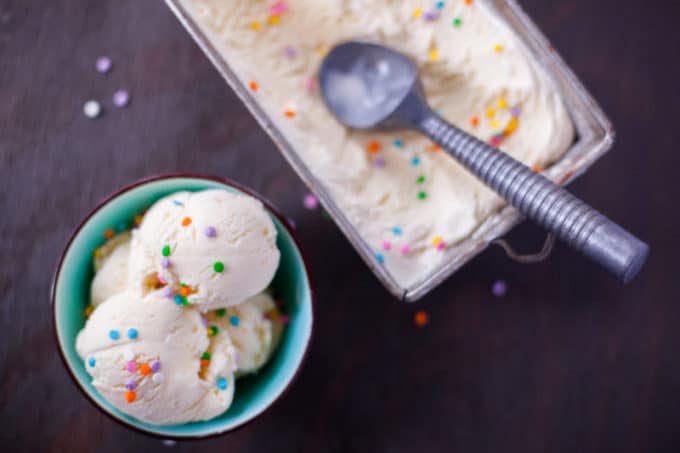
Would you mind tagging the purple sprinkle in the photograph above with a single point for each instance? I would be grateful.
(379, 162)
(290, 51)
(516, 111)
(292, 223)
(310, 201)
(104, 64)
(167, 292)
(155, 365)
(204, 321)
(499, 288)
(165, 263)
(211, 232)
(431, 16)
(121, 98)
(130, 384)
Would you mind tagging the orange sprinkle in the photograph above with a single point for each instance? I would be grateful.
(421, 318)
(468, 2)
(145, 369)
(108, 233)
(130, 396)
(88, 311)
(253, 85)
(435, 148)
(474, 121)
(138, 219)
(255, 25)
(205, 363)
(185, 291)
(289, 113)
(273, 19)
(537, 168)
(373, 147)
(186, 221)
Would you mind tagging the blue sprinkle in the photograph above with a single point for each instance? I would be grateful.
(397, 143)
(91, 361)
(234, 321)
(121, 227)
(415, 161)
(440, 5)
(114, 334)
(222, 383)
(132, 333)
(380, 257)
(177, 203)
(178, 299)
(396, 231)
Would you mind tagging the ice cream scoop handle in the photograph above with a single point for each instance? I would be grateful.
(539, 199)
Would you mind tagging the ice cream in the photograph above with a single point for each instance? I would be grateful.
(409, 201)
(145, 358)
(111, 268)
(254, 327)
(221, 246)
(149, 348)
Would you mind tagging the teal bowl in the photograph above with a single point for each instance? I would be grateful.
(70, 294)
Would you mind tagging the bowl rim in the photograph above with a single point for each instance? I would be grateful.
(151, 179)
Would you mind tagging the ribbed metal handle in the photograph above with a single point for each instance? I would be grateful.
(542, 201)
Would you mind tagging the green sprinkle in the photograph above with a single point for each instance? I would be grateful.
(205, 355)
(214, 331)
(421, 179)
(185, 301)
(166, 250)
(457, 22)
(218, 266)
(221, 312)
(422, 195)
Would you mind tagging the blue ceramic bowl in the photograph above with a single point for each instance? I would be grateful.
(70, 294)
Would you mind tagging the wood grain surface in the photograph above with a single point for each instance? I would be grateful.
(569, 360)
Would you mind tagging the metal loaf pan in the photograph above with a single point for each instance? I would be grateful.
(594, 137)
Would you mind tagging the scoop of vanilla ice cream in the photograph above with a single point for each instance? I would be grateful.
(254, 328)
(144, 356)
(111, 267)
(220, 244)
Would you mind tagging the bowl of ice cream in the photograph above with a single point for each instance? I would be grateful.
(183, 306)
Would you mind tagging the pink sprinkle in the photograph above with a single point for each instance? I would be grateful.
(284, 319)
(441, 245)
(386, 245)
(131, 366)
(104, 65)
(160, 278)
(310, 201)
(278, 8)
(495, 141)
(310, 84)
(121, 98)
(405, 249)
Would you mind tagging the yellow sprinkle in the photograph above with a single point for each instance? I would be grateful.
(512, 126)
(495, 124)
(498, 48)
(88, 311)
(322, 50)
(255, 25)
(502, 103)
(272, 20)
(138, 219)
(417, 12)
(434, 54)
(97, 252)
(490, 112)
(436, 240)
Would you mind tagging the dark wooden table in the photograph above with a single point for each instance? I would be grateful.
(569, 360)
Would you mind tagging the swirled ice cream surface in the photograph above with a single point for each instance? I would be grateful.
(408, 200)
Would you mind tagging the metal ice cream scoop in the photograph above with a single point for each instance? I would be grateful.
(369, 86)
